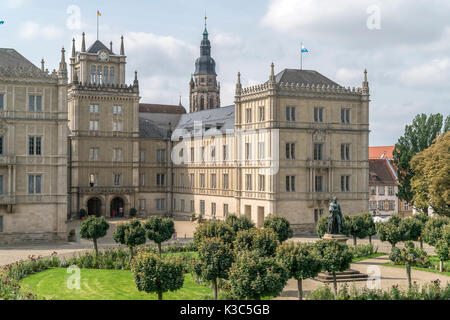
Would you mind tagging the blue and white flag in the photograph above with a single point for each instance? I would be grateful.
(304, 49)
(2, 22)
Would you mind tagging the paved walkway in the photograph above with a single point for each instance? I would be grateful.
(389, 276)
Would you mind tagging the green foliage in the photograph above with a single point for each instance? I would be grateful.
(355, 226)
(83, 213)
(280, 225)
(262, 241)
(363, 250)
(94, 228)
(409, 255)
(252, 276)
(417, 137)
(322, 226)
(239, 223)
(159, 229)
(391, 231)
(413, 228)
(214, 229)
(301, 260)
(131, 234)
(154, 274)
(336, 257)
(133, 212)
(442, 249)
(369, 224)
(433, 229)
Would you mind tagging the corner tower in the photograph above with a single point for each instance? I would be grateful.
(204, 90)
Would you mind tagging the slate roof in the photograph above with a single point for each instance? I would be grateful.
(150, 129)
(11, 58)
(161, 108)
(380, 173)
(303, 76)
(97, 46)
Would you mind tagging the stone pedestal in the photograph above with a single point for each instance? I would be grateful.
(336, 237)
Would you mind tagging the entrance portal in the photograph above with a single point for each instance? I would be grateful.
(117, 208)
(94, 207)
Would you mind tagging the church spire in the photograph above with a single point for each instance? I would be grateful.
(122, 48)
(83, 44)
(73, 47)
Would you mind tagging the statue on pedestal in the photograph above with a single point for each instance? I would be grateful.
(335, 220)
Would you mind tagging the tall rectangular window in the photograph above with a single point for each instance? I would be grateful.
(192, 180)
(93, 125)
(261, 150)
(345, 115)
(117, 109)
(117, 126)
(117, 180)
(142, 180)
(248, 115)
(391, 190)
(161, 204)
(381, 191)
(142, 204)
(345, 151)
(318, 184)
(202, 180)
(225, 181)
(202, 207)
(192, 206)
(93, 154)
(1, 184)
(142, 156)
(34, 184)
(160, 179)
(317, 151)
(192, 154)
(34, 146)
(35, 103)
(290, 113)
(213, 153)
(182, 209)
(213, 209)
(182, 180)
(1, 145)
(372, 190)
(345, 183)
(225, 152)
(290, 183)
(161, 155)
(93, 180)
(261, 114)
(318, 114)
(261, 182)
(93, 108)
(290, 151)
(117, 154)
(225, 210)
(248, 182)
(1, 223)
(2, 102)
(248, 151)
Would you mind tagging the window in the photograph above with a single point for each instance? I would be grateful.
(1, 145)
(225, 181)
(213, 181)
(182, 209)
(261, 182)
(248, 152)
(202, 207)
(225, 210)
(160, 179)
(318, 183)
(202, 180)
(117, 154)
(248, 182)
(192, 179)
(142, 204)
(34, 184)
(192, 154)
(261, 113)
(93, 125)
(372, 190)
(1, 184)
(93, 108)
(202, 153)
(182, 180)
(202, 102)
(317, 151)
(192, 206)
(117, 180)
(117, 109)
(213, 209)
(318, 114)
(213, 153)
(117, 126)
(93, 180)
(345, 115)
(373, 205)
(261, 151)
(381, 205)
(225, 152)
(290, 113)
(142, 156)
(248, 115)
(2, 103)
(105, 74)
(290, 151)
(381, 191)
(142, 180)
(93, 154)
(161, 155)
(93, 74)
(345, 183)
(290, 183)
(391, 190)
(112, 80)
(406, 206)
(99, 74)
(317, 214)
(34, 146)
(345, 152)
(1, 223)
(160, 204)
(35, 103)
(391, 206)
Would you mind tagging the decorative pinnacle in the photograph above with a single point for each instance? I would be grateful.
(83, 44)
(110, 46)
(62, 64)
(272, 73)
(42, 64)
(122, 49)
(73, 47)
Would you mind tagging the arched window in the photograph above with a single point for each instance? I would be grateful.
(93, 74)
(112, 79)
(202, 103)
(99, 75)
(105, 75)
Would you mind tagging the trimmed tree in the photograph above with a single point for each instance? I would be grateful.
(281, 226)
(355, 226)
(442, 250)
(239, 223)
(262, 241)
(154, 274)
(215, 258)
(433, 229)
(214, 229)
(369, 226)
(322, 226)
(159, 230)
(94, 228)
(301, 260)
(391, 231)
(422, 218)
(409, 256)
(413, 229)
(336, 257)
(252, 276)
(130, 234)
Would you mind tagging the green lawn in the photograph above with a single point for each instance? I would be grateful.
(434, 261)
(373, 255)
(104, 285)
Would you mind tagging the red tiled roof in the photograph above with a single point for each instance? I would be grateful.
(161, 108)
(380, 173)
(381, 152)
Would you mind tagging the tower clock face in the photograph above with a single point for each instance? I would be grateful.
(103, 56)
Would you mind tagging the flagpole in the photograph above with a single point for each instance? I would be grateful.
(97, 24)
(301, 56)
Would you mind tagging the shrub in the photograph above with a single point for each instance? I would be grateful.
(239, 223)
(159, 230)
(413, 228)
(94, 228)
(391, 231)
(322, 226)
(369, 226)
(155, 274)
(355, 226)
(262, 241)
(82, 213)
(214, 229)
(442, 250)
(131, 234)
(133, 212)
(433, 229)
(363, 250)
(280, 225)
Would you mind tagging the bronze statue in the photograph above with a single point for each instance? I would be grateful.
(335, 220)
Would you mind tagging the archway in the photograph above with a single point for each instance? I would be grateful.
(94, 206)
(117, 208)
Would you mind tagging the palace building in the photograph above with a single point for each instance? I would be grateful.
(286, 146)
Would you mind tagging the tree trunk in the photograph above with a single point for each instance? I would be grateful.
(95, 247)
(393, 245)
(300, 289)
(131, 253)
(408, 274)
(214, 287)
(335, 284)
(370, 240)
(159, 249)
(354, 241)
(441, 266)
(421, 243)
(159, 295)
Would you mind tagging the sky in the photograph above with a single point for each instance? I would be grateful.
(403, 44)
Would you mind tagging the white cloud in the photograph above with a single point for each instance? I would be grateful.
(14, 4)
(433, 73)
(32, 30)
(349, 76)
